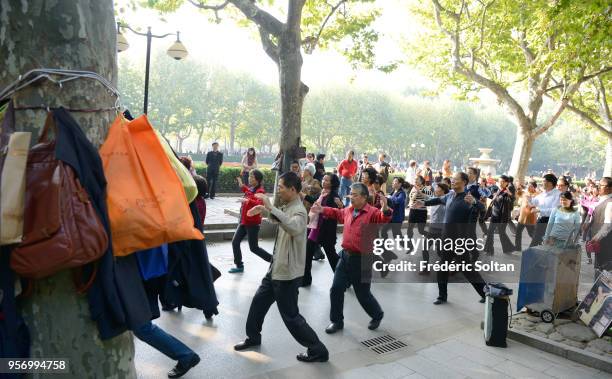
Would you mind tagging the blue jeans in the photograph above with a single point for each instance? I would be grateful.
(164, 343)
(345, 189)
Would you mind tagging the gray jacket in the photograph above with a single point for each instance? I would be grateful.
(289, 256)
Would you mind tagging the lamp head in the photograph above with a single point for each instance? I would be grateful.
(177, 50)
(122, 43)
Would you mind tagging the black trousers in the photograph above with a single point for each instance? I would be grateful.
(497, 224)
(285, 294)
(472, 276)
(518, 238)
(540, 230)
(396, 230)
(330, 252)
(432, 234)
(252, 232)
(212, 178)
(418, 218)
(350, 270)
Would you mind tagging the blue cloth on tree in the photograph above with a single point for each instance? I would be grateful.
(153, 263)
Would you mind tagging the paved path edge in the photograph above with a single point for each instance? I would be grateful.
(586, 358)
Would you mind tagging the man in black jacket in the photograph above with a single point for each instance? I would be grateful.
(214, 159)
(459, 223)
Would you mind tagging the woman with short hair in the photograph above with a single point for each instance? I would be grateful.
(564, 222)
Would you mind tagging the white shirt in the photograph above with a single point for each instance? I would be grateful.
(411, 174)
(547, 201)
(607, 218)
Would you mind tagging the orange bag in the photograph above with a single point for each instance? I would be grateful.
(147, 205)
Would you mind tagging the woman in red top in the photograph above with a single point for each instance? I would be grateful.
(249, 225)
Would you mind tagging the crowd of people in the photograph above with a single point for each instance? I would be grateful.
(437, 203)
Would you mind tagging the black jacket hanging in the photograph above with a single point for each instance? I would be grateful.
(190, 275)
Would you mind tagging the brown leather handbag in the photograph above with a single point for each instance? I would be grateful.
(61, 227)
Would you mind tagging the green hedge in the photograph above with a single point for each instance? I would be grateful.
(227, 179)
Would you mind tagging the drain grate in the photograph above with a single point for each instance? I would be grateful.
(384, 344)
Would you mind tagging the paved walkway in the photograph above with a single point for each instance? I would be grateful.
(215, 210)
(442, 341)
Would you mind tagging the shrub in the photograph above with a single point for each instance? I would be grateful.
(227, 178)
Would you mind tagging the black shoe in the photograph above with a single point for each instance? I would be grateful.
(180, 370)
(439, 301)
(246, 344)
(482, 300)
(334, 327)
(374, 324)
(208, 315)
(305, 357)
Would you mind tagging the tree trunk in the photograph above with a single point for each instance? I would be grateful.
(522, 151)
(293, 92)
(180, 144)
(199, 146)
(232, 137)
(608, 166)
(76, 35)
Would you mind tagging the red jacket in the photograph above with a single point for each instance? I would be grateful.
(250, 202)
(359, 232)
(347, 169)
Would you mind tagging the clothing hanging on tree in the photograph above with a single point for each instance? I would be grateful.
(190, 274)
(147, 203)
(117, 299)
(14, 333)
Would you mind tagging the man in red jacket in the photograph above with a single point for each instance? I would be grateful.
(347, 169)
(357, 239)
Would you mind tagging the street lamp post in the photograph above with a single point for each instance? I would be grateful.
(176, 51)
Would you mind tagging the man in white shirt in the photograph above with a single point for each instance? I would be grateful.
(411, 172)
(384, 169)
(544, 204)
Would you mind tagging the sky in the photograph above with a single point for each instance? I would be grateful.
(239, 48)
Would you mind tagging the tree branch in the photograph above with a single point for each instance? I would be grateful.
(529, 56)
(269, 47)
(584, 116)
(604, 109)
(583, 79)
(260, 17)
(563, 103)
(210, 7)
(314, 41)
(499, 91)
(251, 11)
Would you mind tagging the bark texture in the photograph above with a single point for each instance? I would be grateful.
(77, 35)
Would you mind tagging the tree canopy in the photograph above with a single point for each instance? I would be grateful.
(511, 48)
(220, 104)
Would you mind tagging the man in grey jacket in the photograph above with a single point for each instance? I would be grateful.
(285, 274)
